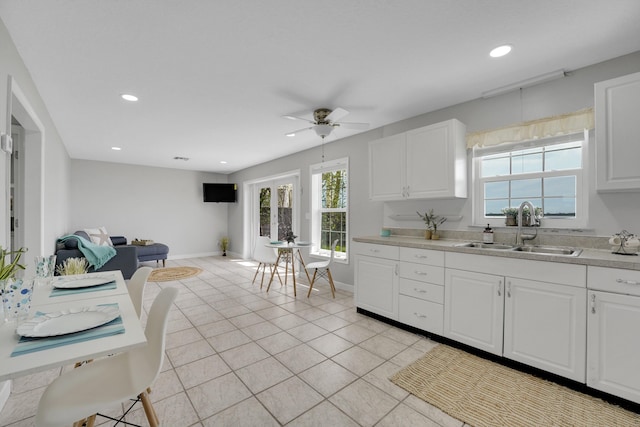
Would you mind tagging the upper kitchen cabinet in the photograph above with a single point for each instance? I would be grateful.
(617, 102)
(424, 163)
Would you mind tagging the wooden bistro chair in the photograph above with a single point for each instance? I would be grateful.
(80, 393)
(321, 269)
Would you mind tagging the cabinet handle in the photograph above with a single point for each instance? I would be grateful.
(421, 256)
(593, 303)
(420, 273)
(421, 316)
(627, 282)
(396, 270)
(500, 287)
(509, 289)
(375, 251)
(408, 190)
(421, 291)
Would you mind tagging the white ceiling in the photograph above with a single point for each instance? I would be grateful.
(215, 77)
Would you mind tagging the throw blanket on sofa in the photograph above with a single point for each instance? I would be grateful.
(96, 255)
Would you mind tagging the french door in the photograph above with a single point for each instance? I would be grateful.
(276, 207)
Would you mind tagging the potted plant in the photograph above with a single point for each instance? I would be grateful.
(511, 216)
(224, 245)
(526, 216)
(432, 222)
(8, 271)
(71, 266)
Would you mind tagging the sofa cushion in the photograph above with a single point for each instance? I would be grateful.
(99, 236)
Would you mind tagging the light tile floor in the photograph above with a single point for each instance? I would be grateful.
(239, 356)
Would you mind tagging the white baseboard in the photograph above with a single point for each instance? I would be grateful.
(5, 391)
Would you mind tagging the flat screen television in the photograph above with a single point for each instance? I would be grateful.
(219, 192)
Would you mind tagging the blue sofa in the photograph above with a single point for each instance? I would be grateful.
(126, 259)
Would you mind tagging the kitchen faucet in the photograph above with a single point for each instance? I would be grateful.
(520, 237)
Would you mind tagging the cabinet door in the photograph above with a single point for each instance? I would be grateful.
(473, 309)
(617, 103)
(387, 168)
(613, 347)
(376, 285)
(436, 161)
(545, 326)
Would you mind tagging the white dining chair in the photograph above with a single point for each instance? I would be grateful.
(266, 257)
(82, 392)
(136, 286)
(321, 269)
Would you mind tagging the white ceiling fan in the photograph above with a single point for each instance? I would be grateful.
(325, 120)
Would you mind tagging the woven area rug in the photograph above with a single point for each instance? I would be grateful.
(173, 273)
(482, 393)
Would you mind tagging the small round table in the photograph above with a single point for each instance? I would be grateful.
(290, 250)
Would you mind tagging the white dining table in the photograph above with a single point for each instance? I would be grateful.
(43, 302)
(290, 250)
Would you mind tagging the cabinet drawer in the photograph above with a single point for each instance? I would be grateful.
(614, 280)
(421, 290)
(378, 251)
(423, 256)
(421, 314)
(422, 273)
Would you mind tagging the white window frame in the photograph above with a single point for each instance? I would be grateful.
(582, 193)
(316, 172)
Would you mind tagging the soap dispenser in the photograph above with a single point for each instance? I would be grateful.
(487, 235)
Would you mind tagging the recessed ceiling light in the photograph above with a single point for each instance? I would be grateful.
(116, 148)
(224, 162)
(129, 97)
(291, 134)
(500, 51)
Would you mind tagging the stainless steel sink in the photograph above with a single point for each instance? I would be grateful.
(549, 250)
(481, 245)
(543, 250)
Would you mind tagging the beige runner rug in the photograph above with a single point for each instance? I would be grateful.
(173, 273)
(482, 393)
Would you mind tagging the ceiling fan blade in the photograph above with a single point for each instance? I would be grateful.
(355, 126)
(295, 132)
(290, 117)
(336, 115)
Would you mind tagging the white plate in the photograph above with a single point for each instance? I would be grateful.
(303, 243)
(68, 321)
(85, 282)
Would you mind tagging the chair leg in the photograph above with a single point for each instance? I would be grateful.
(333, 288)
(152, 417)
(313, 279)
(256, 275)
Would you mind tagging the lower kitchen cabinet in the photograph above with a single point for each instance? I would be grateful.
(613, 321)
(473, 309)
(545, 326)
(376, 279)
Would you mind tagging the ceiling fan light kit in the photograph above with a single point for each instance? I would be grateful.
(325, 120)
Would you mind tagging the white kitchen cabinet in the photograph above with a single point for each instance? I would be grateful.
(376, 279)
(491, 305)
(421, 289)
(429, 162)
(473, 309)
(617, 102)
(613, 320)
(545, 326)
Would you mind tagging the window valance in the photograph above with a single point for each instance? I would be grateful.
(563, 124)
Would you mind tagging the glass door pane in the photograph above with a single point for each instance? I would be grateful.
(264, 205)
(285, 209)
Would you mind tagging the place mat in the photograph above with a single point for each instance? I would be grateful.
(483, 393)
(56, 292)
(28, 345)
(173, 273)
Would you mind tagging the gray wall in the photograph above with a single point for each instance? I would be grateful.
(608, 213)
(164, 205)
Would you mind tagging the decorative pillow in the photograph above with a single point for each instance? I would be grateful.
(99, 236)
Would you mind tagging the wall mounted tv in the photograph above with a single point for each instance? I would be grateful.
(219, 192)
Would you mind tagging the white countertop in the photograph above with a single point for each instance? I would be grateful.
(594, 257)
